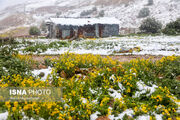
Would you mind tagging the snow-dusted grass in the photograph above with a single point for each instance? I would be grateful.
(128, 112)
(135, 45)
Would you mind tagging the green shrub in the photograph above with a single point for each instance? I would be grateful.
(150, 25)
(144, 13)
(34, 31)
(172, 28)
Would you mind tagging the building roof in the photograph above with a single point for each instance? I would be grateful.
(84, 21)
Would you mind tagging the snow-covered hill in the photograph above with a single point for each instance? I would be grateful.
(35, 11)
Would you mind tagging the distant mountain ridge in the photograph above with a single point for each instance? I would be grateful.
(33, 12)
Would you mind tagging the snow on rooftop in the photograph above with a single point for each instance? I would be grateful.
(84, 21)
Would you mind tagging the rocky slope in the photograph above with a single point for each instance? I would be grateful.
(33, 12)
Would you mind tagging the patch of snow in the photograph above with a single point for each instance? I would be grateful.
(4, 116)
(84, 100)
(158, 117)
(144, 88)
(121, 86)
(115, 93)
(66, 105)
(143, 117)
(128, 112)
(178, 103)
(45, 71)
(5, 69)
(112, 77)
(147, 117)
(149, 45)
(45, 41)
(95, 101)
(92, 91)
(84, 21)
(27, 118)
(94, 116)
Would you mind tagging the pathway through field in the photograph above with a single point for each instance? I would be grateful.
(122, 58)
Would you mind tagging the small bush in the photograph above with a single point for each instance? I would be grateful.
(144, 13)
(34, 31)
(94, 9)
(101, 13)
(58, 14)
(150, 25)
(172, 28)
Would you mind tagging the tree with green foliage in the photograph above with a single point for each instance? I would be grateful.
(88, 12)
(172, 28)
(144, 13)
(34, 30)
(150, 25)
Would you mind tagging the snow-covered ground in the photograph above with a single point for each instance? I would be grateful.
(3, 116)
(158, 45)
(149, 45)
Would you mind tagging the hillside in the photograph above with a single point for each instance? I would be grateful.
(33, 12)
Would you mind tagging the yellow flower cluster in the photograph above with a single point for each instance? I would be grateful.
(169, 58)
(72, 60)
(104, 101)
(157, 98)
(17, 80)
(144, 108)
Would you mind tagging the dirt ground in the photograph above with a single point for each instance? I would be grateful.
(121, 58)
(127, 58)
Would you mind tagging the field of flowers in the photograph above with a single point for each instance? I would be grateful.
(95, 87)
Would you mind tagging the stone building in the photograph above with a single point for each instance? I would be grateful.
(72, 28)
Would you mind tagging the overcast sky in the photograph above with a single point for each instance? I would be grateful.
(5, 3)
